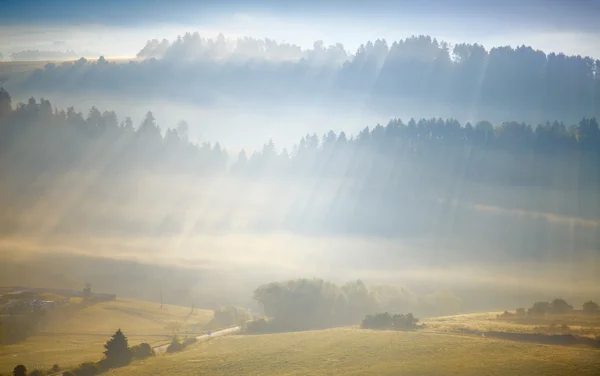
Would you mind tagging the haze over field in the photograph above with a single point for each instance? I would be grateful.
(448, 148)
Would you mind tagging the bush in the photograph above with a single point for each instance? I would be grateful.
(68, 373)
(256, 326)
(387, 321)
(591, 308)
(55, 368)
(229, 316)
(175, 346)
(506, 315)
(189, 341)
(37, 372)
(86, 369)
(142, 351)
(521, 312)
(20, 370)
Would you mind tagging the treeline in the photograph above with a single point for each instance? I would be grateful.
(529, 84)
(305, 304)
(387, 180)
(550, 154)
(557, 306)
(35, 137)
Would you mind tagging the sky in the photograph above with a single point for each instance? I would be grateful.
(121, 27)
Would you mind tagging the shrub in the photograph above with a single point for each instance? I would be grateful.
(68, 373)
(229, 316)
(256, 326)
(386, 321)
(377, 321)
(591, 308)
(521, 312)
(142, 351)
(37, 372)
(20, 370)
(506, 315)
(175, 346)
(189, 340)
(55, 368)
(86, 369)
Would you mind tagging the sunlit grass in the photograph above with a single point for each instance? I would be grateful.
(365, 352)
(577, 324)
(81, 337)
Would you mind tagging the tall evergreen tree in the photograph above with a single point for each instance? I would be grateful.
(117, 350)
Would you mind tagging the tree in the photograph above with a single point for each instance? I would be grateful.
(560, 306)
(538, 309)
(591, 307)
(20, 370)
(5, 103)
(117, 351)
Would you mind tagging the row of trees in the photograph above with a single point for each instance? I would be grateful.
(388, 180)
(560, 307)
(315, 303)
(529, 84)
(515, 153)
(557, 306)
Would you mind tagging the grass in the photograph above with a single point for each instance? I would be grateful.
(364, 352)
(578, 324)
(70, 341)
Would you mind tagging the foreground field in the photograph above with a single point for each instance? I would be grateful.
(365, 352)
(80, 338)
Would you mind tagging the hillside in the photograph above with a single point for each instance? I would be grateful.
(365, 352)
(71, 340)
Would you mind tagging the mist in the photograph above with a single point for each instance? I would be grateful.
(231, 152)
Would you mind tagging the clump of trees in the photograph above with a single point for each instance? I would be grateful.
(557, 306)
(305, 304)
(389, 321)
(229, 316)
(591, 308)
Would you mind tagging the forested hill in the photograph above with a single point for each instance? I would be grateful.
(430, 177)
(466, 80)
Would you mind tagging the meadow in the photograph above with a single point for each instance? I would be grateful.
(80, 337)
(350, 351)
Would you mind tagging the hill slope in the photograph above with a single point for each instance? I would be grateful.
(365, 352)
(69, 339)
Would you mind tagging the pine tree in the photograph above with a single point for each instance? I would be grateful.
(117, 350)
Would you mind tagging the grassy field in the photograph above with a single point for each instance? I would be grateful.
(70, 341)
(581, 325)
(364, 352)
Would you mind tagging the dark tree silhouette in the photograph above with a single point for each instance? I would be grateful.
(20, 370)
(117, 352)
